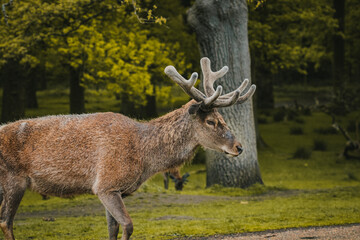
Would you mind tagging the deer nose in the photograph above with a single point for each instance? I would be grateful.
(239, 149)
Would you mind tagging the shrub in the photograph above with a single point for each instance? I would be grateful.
(262, 120)
(351, 176)
(292, 114)
(279, 115)
(296, 131)
(299, 120)
(307, 111)
(325, 130)
(302, 152)
(319, 145)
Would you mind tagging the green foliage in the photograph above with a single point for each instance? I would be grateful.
(352, 38)
(283, 35)
(102, 41)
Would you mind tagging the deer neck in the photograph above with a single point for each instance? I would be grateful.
(168, 141)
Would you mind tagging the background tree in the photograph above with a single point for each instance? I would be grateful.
(339, 49)
(286, 45)
(352, 40)
(221, 29)
(94, 44)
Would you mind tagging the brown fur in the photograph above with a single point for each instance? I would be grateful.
(107, 154)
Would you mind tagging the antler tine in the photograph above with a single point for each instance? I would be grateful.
(234, 97)
(225, 102)
(242, 87)
(186, 85)
(209, 100)
(209, 76)
(247, 95)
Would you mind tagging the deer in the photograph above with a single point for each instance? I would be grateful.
(174, 174)
(111, 155)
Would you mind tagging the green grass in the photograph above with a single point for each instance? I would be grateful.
(321, 190)
(208, 218)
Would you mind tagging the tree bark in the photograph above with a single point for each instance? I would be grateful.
(339, 49)
(77, 92)
(13, 101)
(221, 29)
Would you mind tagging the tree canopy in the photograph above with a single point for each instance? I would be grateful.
(101, 41)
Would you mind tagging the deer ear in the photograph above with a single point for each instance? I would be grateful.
(194, 108)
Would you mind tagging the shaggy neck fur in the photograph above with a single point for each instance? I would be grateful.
(170, 138)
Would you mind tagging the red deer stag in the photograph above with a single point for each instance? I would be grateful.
(110, 155)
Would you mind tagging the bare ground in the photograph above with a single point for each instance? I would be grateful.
(348, 232)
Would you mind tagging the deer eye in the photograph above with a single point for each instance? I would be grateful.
(210, 122)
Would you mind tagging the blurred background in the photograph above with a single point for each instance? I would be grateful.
(91, 56)
(73, 57)
(99, 56)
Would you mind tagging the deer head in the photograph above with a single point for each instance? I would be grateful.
(211, 130)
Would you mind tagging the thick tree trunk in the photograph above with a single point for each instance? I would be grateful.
(339, 50)
(13, 101)
(221, 28)
(77, 92)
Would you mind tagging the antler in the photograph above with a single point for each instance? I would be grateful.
(211, 98)
(188, 86)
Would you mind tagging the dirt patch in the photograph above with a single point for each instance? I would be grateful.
(348, 232)
(172, 217)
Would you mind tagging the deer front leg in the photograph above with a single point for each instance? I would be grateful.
(116, 215)
(14, 189)
(113, 226)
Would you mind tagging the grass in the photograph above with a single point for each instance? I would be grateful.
(321, 190)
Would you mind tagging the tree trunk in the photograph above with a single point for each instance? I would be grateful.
(13, 101)
(128, 108)
(221, 29)
(149, 111)
(77, 97)
(31, 88)
(339, 50)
